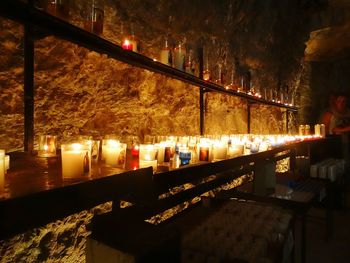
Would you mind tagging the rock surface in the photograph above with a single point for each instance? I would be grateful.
(81, 92)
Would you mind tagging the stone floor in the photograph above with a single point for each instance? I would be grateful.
(337, 249)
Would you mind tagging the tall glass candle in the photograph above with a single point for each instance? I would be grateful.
(179, 57)
(115, 154)
(2, 171)
(219, 151)
(76, 160)
(7, 162)
(148, 156)
(47, 146)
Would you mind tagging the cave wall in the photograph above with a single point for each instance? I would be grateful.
(81, 92)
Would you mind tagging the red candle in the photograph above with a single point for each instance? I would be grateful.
(135, 150)
(127, 45)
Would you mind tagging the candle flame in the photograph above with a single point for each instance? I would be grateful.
(76, 146)
(46, 147)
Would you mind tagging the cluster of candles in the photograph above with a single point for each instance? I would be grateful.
(171, 151)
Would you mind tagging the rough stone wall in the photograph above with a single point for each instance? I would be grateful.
(60, 241)
(82, 92)
(11, 85)
(78, 91)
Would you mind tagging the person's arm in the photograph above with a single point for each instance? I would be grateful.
(341, 129)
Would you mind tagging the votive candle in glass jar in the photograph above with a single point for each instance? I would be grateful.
(219, 151)
(76, 160)
(115, 154)
(47, 146)
(7, 162)
(184, 156)
(148, 156)
(2, 171)
(94, 17)
(59, 8)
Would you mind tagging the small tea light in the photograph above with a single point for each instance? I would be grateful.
(127, 45)
(76, 160)
(2, 171)
(47, 146)
(185, 156)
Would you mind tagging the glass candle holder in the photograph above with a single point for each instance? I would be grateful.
(115, 154)
(47, 146)
(219, 151)
(94, 17)
(179, 56)
(148, 156)
(105, 142)
(76, 160)
(185, 156)
(59, 8)
(7, 163)
(235, 150)
(2, 171)
(95, 149)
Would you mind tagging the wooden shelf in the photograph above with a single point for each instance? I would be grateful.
(51, 25)
(34, 186)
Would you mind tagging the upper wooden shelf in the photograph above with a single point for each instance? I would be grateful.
(48, 24)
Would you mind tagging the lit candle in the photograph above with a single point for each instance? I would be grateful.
(47, 146)
(161, 152)
(76, 160)
(148, 156)
(135, 150)
(185, 156)
(235, 150)
(115, 154)
(127, 45)
(2, 171)
(203, 154)
(179, 57)
(148, 163)
(7, 162)
(219, 151)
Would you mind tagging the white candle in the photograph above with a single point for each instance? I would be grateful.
(147, 152)
(2, 171)
(161, 150)
(219, 151)
(7, 162)
(179, 57)
(76, 160)
(115, 154)
(235, 150)
(148, 163)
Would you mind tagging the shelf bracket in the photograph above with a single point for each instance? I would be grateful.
(28, 89)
